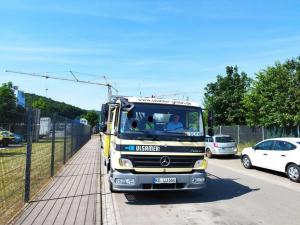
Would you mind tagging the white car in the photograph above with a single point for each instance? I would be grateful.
(279, 154)
(220, 145)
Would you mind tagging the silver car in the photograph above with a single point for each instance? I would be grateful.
(220, 145)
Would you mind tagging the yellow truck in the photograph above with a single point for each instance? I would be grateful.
(153, 144)
(6, 137)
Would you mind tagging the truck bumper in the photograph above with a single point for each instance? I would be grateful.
(127, 181)
(223, 152)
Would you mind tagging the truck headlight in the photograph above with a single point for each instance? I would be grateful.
(198, 180)
(126, 163)
(200, 164)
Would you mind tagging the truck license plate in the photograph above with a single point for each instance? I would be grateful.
(164, 180)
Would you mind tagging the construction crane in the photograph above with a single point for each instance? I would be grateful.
(108, 85)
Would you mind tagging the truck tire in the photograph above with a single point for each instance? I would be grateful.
(111, 187)
(108, 167)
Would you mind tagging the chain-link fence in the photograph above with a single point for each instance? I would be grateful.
(245, 134)
(32, 149)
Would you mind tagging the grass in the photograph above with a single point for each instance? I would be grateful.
(12, 173)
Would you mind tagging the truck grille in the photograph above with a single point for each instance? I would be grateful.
(150, 161)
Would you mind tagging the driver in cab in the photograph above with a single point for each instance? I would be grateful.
(174, 125)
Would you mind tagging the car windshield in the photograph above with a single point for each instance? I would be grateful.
(224, 139)
(155, 121)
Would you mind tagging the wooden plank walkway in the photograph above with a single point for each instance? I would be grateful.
(73, 197)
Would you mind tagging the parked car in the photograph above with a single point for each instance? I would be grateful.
(6, 137)
(220, 145)
(18, 138)
(279, 154)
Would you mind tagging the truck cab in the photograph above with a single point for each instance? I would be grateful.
(153, 144)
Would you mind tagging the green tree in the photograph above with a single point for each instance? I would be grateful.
(40, 103)
(225, 97)
(92, 117)
(49, 106)
(8, 107)
(274, 99)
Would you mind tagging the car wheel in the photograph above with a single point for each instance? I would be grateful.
(246, 162)
(293, 172)
(5, 143)
(208, 153)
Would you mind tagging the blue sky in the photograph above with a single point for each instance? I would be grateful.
(152, 47)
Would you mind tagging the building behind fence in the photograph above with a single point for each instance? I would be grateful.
(246, 134)
(30, 159)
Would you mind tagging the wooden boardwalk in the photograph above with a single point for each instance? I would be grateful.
(73, 197)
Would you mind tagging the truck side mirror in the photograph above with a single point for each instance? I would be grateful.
(103, 127)
(210, 131)
(210, 119)
(210, 123)
(104, 110)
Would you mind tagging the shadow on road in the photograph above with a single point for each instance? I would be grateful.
(217, 189)
(227, 157)
(273, 172)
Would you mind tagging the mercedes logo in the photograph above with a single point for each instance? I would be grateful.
(165, 161)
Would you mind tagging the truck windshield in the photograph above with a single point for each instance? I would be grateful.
(162, 122)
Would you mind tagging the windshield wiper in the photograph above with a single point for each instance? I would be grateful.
(171, 132)
(147, 138)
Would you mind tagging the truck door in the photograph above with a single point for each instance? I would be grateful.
(114, 124)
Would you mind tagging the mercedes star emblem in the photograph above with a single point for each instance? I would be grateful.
(165, 161)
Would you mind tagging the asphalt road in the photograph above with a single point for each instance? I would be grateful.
(234, 196)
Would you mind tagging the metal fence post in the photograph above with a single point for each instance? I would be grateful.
(65, 143)
(53, 144)
(263, 132)
(298, 130)
(238, 133)
(220, 129)
(72, 143)
(28, 155)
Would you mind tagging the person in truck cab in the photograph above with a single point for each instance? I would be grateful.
(149, 124)
(174, 125)
(130, 123)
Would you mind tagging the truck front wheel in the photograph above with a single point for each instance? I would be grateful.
(109, 173)
(111, 188)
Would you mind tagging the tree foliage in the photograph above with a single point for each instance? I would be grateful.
(274, 99)
(49, 107)
(8, 106)
(225, 97)
(92, 117)
(40, 103)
